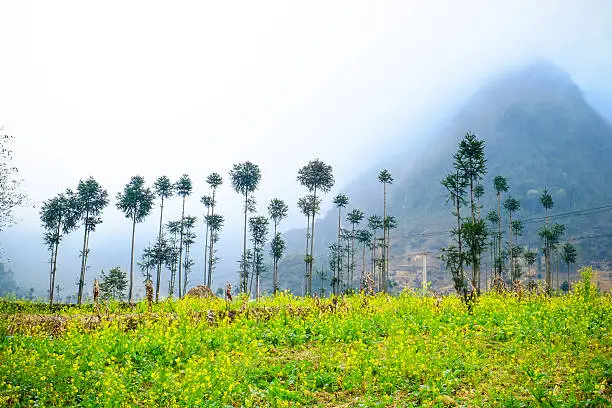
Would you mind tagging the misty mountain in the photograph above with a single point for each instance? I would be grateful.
(540, 133)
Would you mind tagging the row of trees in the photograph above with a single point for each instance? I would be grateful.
(471, 236)
(83, 206)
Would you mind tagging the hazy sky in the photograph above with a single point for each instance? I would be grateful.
(117, 88)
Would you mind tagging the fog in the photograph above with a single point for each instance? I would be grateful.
(117, 88)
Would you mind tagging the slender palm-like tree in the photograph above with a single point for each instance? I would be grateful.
(340, 201)
(214, 180)
(136, 202)
(147, 262)
(277, 210)
(551, 237)
(501, 186)
(245, 180)
(453, 255)
(89, 201)
(364, 237)
(385, 178)
(207, 201)
(310, 206)
(174, 229)
(258, 227)
(471, 163)
(390, 224)
(354, 217)
(530, 258)
(315, 176)
(511, 205)
(189, 237)
(215, 223)
(375, 223)
(568, 255)
(58, 219)
(547, 202)
(183, 189)
(493, 221)
(164, 190)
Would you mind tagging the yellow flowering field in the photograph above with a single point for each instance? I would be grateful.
(354, 351)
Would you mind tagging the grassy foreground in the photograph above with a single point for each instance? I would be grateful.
(408, 350)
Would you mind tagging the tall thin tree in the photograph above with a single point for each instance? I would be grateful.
(385, 178)
(453, 255)
(58, 220)
(164, 190)
(183, 189)
(258, 227)
(471, 163)
(310, 206)
(207, 201)
(89, 201)
(277, 210)
(501, 186)
(315, 176)
(136, 202)
(340, 201)
(511, 205)
(568, 255)
(245, 180)
(354, 217)
(364, 237)
(214, 180)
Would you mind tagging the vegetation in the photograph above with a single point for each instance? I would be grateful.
(113, 284)
(11, 196)
(136, 202)
(409, 350)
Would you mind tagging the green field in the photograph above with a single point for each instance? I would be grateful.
(408, 350)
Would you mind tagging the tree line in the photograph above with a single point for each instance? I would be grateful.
(172, 251)
(474, 232)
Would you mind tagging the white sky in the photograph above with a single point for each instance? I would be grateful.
(118, 88)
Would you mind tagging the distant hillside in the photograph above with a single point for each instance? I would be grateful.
(539, 131)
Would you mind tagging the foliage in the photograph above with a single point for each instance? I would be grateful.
(349, 351)
(11, 196)
(113, 284)
(89, 201)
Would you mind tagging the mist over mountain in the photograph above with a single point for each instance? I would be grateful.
(540, 133)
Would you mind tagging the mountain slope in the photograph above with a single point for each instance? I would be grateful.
(539, 132)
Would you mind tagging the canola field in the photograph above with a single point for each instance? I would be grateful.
(409, 350)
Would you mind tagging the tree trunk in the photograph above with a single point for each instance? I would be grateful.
(458, 209)
(206, 275)
(186, 269)
(54, 261)
(83, 259)
(245, 277)
(499, 234)
(475, 262)
(512, 277)
(568, 277)
(180, 265)
(275, 267)
(338, 261)
(363, 262)
(312, 246)
(132, 258)
(384, 246)
(212, 241)
(373, 261)
(388, 250)
(352, 255)
(306, 256)
(159, 240)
